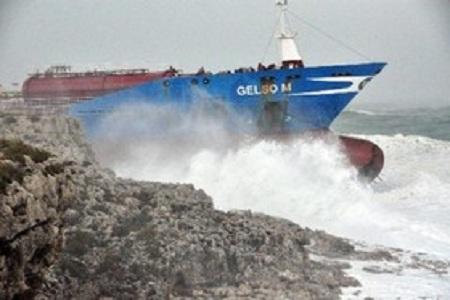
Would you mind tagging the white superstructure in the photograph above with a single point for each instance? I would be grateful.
(290, 56)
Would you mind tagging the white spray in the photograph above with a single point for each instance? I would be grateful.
(306, 182)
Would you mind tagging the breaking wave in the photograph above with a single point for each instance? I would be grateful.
(363, 112)
(308, 182)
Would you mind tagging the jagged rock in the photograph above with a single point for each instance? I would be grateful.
(56, 133)
(143, 240)
(32, 202)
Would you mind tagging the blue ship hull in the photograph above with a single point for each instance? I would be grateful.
(272, 101)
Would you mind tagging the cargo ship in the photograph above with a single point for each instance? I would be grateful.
(287, 99)
(60, 84)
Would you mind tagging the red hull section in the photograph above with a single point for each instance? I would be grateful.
(366, 156)
(73, 86)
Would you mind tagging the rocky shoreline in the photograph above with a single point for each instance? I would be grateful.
(70, 229)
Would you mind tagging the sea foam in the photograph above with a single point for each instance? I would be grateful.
(306, 181)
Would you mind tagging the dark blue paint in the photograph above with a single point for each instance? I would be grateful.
(304, 112)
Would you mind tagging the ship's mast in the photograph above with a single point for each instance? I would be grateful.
(290, 57)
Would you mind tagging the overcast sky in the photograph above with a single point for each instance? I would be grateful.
(413, 36)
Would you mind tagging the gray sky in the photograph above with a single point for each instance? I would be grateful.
(413, 36)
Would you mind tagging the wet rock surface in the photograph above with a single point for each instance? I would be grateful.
(122, 239)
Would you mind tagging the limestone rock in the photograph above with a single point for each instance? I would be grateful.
(32, 202)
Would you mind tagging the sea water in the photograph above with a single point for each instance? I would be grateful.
(310, 183)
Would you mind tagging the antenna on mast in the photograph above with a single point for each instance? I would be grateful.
(290, 57)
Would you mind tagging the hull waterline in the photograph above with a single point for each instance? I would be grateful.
(365, 156)
(284, 102)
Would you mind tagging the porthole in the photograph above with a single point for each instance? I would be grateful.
(166, 83)
(205, 80)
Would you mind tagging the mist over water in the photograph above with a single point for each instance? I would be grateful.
(306, 181)
(430, 122)
(164, 137)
